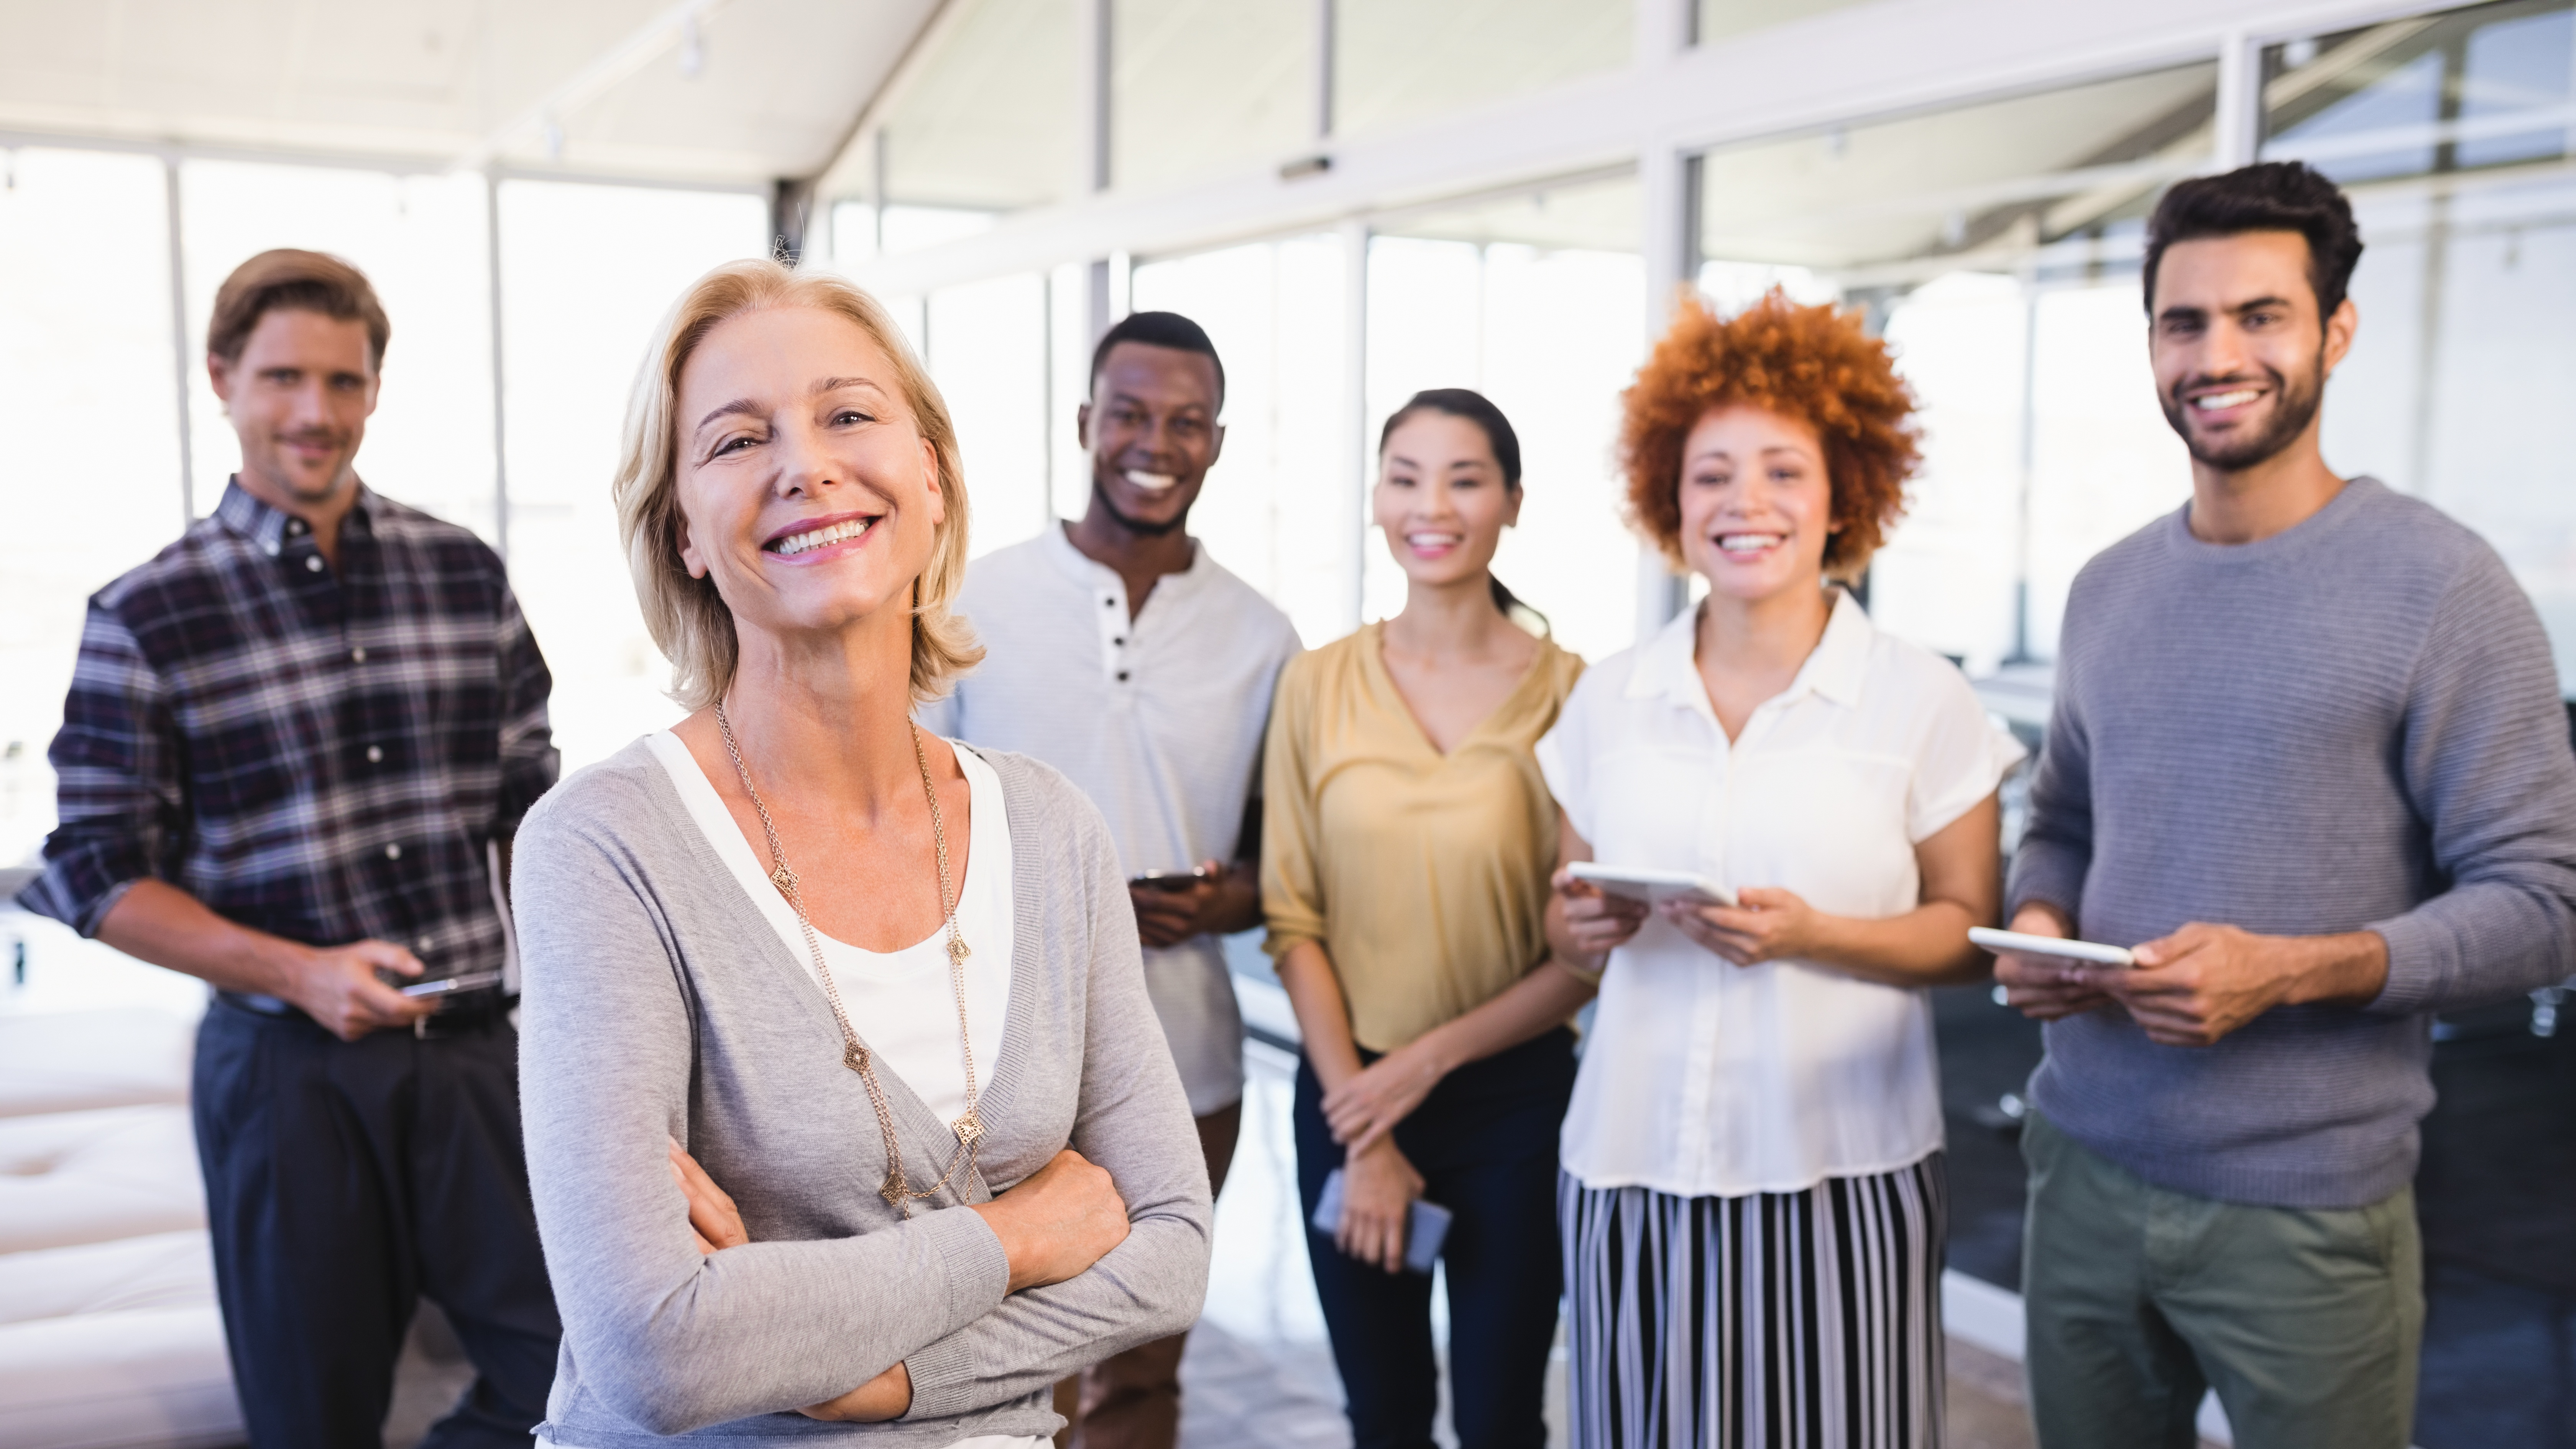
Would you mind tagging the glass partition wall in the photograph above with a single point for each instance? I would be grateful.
(92, 379)
(2455, 135)
(1536, 300)
(1996, 247)
(1994, 243)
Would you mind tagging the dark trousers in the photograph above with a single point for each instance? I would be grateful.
(344, 1182)
(1485, 1144)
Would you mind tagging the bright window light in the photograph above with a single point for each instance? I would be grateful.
(587, 273)
(423, 243)
(88, 401)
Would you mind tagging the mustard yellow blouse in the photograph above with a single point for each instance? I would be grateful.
(1423, 875)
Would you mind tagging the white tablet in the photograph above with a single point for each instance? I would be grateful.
(2091, 953)
(1643, 883)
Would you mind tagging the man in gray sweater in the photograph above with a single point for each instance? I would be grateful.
(2308, 757)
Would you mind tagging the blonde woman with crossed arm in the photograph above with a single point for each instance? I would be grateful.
(844, 1100)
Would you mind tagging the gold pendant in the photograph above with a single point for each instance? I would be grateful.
(784, 879)
(958, 950)
(855, 1057)
(969, 1129)
(893, 1190)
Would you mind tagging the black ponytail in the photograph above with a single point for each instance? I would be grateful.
(1475, 407)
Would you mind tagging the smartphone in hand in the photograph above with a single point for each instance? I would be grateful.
(1170, 882)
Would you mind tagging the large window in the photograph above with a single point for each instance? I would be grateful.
(2456, 136)
(88, 401)
(988, 354)
(1996, 247)
(1537, 301)
(422, 241)
(89, 387)
(586, 274)
(1279, 508)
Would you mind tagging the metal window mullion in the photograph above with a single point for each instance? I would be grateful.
(179, 342)
(500, 399)
(2238, 119)
(1326, 18)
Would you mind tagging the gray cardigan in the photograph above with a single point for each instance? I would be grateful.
(659, 1003)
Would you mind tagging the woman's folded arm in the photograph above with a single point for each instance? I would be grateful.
(1134, 1121)
(667, 1338)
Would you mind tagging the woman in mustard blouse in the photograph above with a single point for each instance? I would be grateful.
(1405, 856)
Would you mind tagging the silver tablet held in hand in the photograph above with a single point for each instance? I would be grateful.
(2090, 953)
(1654, 887)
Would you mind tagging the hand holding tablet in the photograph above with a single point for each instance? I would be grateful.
(1654, 887)
(2086, 953)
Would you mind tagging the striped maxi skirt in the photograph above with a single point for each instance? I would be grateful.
(1803, 1320)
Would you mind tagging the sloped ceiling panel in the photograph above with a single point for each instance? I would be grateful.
(776, 87)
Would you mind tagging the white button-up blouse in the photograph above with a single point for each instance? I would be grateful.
(1703, 1078)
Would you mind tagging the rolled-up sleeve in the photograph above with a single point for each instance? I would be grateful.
(117, 784)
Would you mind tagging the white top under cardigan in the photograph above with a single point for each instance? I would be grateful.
(900, 1002)
(660, 1004)
(1703, 1078)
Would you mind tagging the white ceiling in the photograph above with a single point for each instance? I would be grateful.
(434, 82)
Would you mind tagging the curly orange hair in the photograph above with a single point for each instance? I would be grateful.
(1809, 363)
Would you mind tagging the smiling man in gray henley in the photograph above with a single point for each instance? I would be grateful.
(2308, 757)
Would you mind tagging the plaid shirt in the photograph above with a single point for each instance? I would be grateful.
(320, 755)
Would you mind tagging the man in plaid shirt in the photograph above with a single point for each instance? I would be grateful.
(296, 745)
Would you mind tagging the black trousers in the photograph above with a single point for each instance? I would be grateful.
(344, 1182)
(1485, 1144)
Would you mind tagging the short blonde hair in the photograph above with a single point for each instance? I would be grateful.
(689, 620)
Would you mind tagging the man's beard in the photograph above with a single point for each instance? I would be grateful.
(2293, 408)
(1142, 527)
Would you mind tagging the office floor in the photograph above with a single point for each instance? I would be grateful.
(2499, 1171)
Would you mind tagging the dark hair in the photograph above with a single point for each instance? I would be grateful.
(293, 281)
(1160, 329)
(1814, 365)
(2269, 196)
(1474, 407)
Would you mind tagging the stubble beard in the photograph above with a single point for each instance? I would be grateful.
(2295, 406)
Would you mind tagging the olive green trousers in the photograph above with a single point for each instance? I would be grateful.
(2307, 1322)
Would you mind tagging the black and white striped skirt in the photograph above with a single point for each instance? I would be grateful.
(1806, 1320)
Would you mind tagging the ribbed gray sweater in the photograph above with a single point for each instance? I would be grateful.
(660, 1004)
(2351, 724)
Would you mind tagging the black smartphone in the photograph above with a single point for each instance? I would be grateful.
(1170, 881)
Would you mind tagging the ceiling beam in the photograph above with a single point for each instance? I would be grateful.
(1866, 62)
(638, 50)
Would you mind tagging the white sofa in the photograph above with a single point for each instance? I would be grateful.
(114, 1343)
(109, 1333)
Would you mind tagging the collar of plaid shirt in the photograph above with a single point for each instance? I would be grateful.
(327, 755)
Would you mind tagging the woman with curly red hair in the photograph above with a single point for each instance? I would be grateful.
(1752, 1200)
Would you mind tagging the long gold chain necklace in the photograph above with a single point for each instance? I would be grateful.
(897, 1189)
